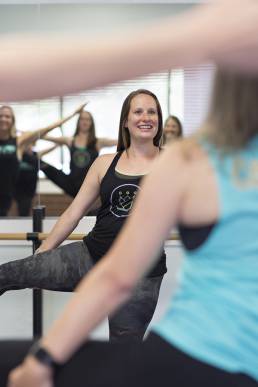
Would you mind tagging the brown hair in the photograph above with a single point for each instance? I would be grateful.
(13, 127)
(233, 120)
(124, 139)
(92, 140)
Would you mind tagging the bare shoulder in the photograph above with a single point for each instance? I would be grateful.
(187, 151)
(106, 158)
(103, 162)
(183, 161)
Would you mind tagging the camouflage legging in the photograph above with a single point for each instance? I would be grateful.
(61, 269)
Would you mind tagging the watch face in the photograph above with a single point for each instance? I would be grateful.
(43, 356)
(34, 348)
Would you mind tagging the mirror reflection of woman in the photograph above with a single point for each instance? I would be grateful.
(84, 148)
(13, 149)
(173, 129)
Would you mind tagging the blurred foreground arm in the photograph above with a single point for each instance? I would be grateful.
(39, 67)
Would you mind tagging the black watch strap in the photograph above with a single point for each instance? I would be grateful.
(43, 356)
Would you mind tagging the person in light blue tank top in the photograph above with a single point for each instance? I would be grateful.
(208, 186)
(214, 314)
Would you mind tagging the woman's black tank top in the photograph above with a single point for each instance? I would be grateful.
(9, 166)
(117, 193)
(26, 183)
(81, 161)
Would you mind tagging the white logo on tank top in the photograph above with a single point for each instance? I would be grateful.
(122, 199)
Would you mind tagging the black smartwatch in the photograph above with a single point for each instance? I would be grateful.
(43, 356)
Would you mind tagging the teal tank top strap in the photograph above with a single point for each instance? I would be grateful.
(221, 164)
(235, 171)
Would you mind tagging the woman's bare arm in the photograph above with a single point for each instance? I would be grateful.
(105, 142)
(29, 137)
(62, 140)
(46, 151)
(86, 197)
(199, 35)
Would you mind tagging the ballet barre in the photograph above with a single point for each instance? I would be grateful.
(31, 236)
(40, 236)
(36, 237)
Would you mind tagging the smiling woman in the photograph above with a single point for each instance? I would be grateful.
(116, 179)
(140, 119)
(173, 129)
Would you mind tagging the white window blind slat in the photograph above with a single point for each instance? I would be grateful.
(176, 94)
(197, 92)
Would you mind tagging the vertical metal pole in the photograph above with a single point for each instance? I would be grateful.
(38, 216)
(169, 92)
(61, 114)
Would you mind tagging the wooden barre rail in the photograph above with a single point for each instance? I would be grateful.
(42, 235)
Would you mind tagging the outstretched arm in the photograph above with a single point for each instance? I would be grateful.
(62, 140)
(200, 35)
(46, 151)
(105, 142)
(81, 204)
(29, 137)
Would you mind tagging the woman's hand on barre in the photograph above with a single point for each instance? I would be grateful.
(43, 247)
(40, 250)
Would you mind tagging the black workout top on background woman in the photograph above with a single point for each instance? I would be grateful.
(9, 166)
(81, 161)
(117, 193)
(28, 175)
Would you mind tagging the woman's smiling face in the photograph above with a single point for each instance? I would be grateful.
(142, 120)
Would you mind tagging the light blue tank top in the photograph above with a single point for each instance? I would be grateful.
(214, 315)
